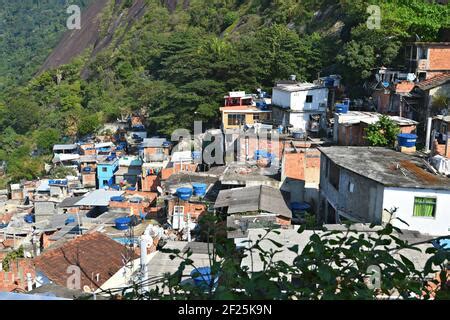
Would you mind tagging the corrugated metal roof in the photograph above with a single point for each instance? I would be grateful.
(252, 199)
(98, 198)
(57, 147)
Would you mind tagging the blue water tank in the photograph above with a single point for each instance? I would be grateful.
(203, 278)
(300, 206)
(341, 108)
(406, 140)
(117, 199)
(184, 193)
(298, 134)
(29, 218)
(70, 219)
(259, 154)
(166, 144)
(199, 189)
(122, 223)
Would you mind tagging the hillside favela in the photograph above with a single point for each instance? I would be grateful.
(237, 150)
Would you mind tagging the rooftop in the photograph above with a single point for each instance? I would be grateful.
(69, 202)
(387, 167)
(290, 237)
(353, 117)
(254, 199)
(443, 118)
(179, 156)
(128, 171)
(247, 173)
(434, 82)
(297, 86)
(98, 256)
(154, 142)
(63, 147)
(98, 198)
(65, 157)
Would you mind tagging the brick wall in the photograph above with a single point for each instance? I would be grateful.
(441, 149)
(302, 166)
(439, 58)
(15, 278)
(257, 143)
(283, 221)
(167, 172)
(89, 180)
(195, 209)
(150, 183)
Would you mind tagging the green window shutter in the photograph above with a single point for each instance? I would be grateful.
(424, 207)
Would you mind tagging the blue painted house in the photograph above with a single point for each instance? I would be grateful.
(105, 171)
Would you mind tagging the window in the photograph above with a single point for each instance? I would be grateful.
(424, 207)
(334, 173)
(256, 117)
(104, 169)
(351, 187)
(236, 119)
(309, 99)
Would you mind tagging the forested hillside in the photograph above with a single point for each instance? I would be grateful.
(178, 59)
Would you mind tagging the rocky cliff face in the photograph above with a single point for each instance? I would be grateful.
(100, 23)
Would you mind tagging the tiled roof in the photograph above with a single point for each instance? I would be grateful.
(94, 253)
(434, 82)
(404, 87)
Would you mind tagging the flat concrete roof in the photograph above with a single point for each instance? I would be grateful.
(353, 117)
(246, 173)
(254, 199)
(297, 86)
(290, 237)
(386, 166)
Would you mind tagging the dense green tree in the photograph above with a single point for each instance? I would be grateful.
(382, 133)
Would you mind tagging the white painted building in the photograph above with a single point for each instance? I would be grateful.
(301, 105)
(363, 184)
(405, 200)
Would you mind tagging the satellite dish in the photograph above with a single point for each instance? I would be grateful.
(160, 190)
(87, 289)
